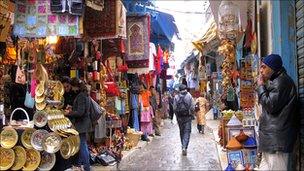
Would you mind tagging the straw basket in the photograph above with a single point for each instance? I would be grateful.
(133, 138)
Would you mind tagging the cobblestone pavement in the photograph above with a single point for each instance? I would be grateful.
(164, 153)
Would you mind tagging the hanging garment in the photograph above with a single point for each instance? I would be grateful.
(100, 129)
(152, 54)
(146, 114)
(145, 97)
(146, 125)
(135, 119)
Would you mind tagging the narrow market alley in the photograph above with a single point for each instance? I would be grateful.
(164, 152)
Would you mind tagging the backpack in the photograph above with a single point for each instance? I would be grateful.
(95, 111)
(182, 108)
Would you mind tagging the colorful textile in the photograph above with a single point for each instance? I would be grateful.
(146, 114)
(108, 23)
(34, 19)
(158, 59)
(152, 55)
(145, 97)
(146, 124)
(138, 32)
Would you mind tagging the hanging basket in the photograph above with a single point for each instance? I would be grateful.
(24, 124)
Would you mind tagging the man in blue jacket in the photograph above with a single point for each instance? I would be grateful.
(277, 129)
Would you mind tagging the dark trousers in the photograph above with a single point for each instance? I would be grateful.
(184, 124)
(200, 128)
(84, 155)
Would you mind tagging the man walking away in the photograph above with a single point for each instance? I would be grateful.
(278, 123)
(183, 107)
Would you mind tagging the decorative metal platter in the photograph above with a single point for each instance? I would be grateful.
(37, 137)
(48, 161)
(7, 158)
(40, 118)
(9, 137)
(32, 159)
(51, 143)
(20, 158)
(26, 137)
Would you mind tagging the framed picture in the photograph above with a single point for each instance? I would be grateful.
(235, 157)
(236, 131)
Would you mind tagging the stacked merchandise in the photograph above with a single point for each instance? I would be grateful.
(49, 132)
(240, 142)
(246, 87)
(227, 49)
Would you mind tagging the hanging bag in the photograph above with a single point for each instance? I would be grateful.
(29, 101)
(20, 76)
(111, 87)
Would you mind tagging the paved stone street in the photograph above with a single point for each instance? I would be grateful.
(164, 153)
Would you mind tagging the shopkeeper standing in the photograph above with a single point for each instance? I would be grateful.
(278, 121)
(81, 120)
(69, 94)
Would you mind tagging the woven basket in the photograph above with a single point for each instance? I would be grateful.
(133, 138)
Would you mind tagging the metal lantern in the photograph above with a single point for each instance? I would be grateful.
(229, 20)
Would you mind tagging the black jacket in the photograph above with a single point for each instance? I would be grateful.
(278, 121)
(80, 113)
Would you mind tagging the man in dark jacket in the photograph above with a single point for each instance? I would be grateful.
(277, 128)
(183, 107)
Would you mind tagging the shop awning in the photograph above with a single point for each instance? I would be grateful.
(163, 25)
(210, 35)
(191, 58)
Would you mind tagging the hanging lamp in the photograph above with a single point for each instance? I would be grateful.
(229, 20)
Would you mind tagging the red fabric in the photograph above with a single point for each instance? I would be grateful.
(158, 60)
(166, 56)
(145, 97)
(249, 35)
(101, 23)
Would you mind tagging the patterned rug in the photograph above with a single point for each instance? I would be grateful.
(99, 24)
(138, 38)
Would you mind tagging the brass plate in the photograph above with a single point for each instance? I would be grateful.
(40, 106)
(39, 99)
(48, 161)
(7, 157)
(9, 137)
(37, 137)
(26, 137)
(20, 158)
(51, 143)
(40, 119)
(32, 159)
(66, 149)
(76, 142)
(70, 131)
(39, 89)
(60, 88)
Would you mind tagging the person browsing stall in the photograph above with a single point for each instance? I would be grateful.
(79, 114)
